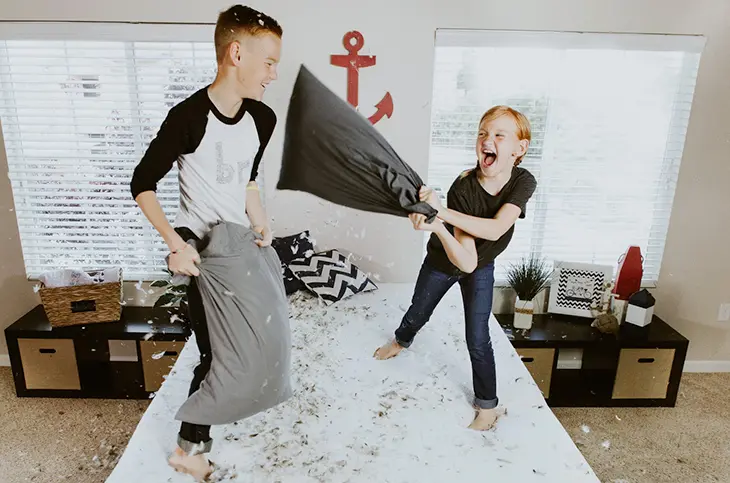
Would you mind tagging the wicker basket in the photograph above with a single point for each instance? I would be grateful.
(83, 304)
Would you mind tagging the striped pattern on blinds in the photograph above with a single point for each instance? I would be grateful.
(77, 116)
(609, 114)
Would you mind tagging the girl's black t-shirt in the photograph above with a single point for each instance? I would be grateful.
(467, 196)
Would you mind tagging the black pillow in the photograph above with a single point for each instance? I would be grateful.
(333, 152)
(291, 247)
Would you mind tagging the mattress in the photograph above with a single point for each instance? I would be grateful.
(354, 418)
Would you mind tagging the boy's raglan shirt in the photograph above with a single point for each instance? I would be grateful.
(216, 157)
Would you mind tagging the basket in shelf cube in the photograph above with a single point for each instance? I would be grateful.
(84, 304)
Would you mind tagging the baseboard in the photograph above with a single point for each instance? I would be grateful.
(4, 360)
(706, 366)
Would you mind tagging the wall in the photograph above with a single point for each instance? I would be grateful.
(694, 279)
(16, 296)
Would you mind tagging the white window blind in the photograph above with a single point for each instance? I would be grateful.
(609, 114)
(79, 105)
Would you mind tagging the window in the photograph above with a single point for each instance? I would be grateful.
(609, 114)
(79, 104)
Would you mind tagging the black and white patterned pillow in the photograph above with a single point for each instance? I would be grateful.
(300, 245)
(331, 276)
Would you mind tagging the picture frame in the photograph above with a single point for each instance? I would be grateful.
(575, 286)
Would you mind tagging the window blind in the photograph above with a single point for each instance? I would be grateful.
(78, 110)
(609, 113)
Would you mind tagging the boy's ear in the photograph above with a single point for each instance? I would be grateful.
(234, 52)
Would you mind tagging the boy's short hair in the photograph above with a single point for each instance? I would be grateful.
(241, 19)
(524, 132)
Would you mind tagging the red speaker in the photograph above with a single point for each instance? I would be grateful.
(629, 274)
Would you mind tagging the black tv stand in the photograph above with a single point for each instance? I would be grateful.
(639, 366)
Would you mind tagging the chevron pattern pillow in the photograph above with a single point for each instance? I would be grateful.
(331, 276)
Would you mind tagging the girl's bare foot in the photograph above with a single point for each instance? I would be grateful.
(485, 419)
(391, 349)
(196, 466)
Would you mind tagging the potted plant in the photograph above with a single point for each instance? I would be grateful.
(527, 278)
(174, 295)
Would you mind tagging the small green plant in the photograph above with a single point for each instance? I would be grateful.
(528, 277)
(173, 295)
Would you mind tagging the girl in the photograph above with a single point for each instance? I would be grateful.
(483, 205)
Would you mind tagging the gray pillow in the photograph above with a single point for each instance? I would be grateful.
(248, 322)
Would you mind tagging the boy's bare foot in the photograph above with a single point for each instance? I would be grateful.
(197, 465)
(485, 419)
(391, 349)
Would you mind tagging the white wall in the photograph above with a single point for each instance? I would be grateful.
(401, 34)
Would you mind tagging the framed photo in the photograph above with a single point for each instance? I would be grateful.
(575, 286)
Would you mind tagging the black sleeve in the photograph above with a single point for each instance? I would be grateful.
(522, 191)
(265, 120)
(163, 151)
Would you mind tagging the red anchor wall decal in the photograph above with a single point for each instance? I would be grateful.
(353, 61)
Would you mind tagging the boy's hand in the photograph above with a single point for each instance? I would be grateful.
(265, 232)
(185, 261)
(419, 223)
(429, 196)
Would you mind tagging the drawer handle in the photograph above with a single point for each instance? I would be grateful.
(528, 359)
(170, 353)
(47, 351)
(646, 360)
(83, 306)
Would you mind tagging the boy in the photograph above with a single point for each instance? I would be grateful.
(483, 205)
(217, 136)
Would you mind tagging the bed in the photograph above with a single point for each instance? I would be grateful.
(357, 419)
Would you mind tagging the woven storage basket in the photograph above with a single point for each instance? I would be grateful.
(83, 304)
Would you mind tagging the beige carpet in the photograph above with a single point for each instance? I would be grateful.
(688, 443)
(79, 440)
(69, 440)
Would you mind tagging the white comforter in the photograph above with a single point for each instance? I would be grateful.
(356, 419)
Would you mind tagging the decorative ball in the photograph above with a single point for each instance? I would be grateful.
(606, 323)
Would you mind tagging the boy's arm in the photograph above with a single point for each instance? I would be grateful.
(157, 161)
(265, 119)
(150, 206)
(257, 214)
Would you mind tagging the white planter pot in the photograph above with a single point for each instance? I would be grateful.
(523, 314)
(618, 309)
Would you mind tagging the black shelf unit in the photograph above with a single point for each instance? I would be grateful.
(639, 366)
(85, 361)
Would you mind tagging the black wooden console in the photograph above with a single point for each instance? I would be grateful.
(640, 366)
(126, 359)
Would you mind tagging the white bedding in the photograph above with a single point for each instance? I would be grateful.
(357, 419)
